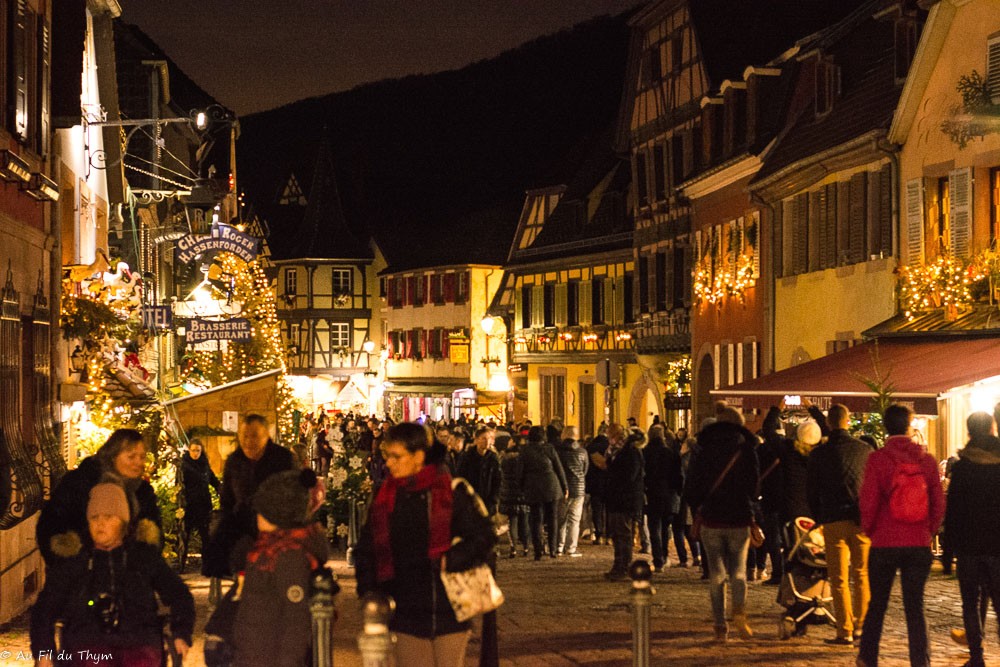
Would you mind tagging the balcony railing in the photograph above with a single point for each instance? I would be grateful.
(664, 332)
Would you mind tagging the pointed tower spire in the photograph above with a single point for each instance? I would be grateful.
(324, 229)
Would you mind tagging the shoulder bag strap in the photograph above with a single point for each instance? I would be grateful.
(770, 469)
(722, 476)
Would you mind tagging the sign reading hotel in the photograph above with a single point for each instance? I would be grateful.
(224, 238)
(236, 330)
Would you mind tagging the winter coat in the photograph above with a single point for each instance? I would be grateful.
(62, 526)
(794, 479)
(511, 493)
(422, 606)
(834, 477)
(625, 490)
(769, 451)
(596, 476)
(731, 504)
(196, 477)
(273, 626)
(542, 477)
(482, 471)
(972, 519)
(664, 480)
(139, 574)
(238, 528)
(876, 490)
(575, 462)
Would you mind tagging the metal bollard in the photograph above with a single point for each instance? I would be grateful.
(322, 588)
(642, 599)
(377, 644)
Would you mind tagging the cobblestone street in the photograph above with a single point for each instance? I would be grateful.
(563, 612)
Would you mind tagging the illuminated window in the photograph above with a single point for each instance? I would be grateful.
(292, 194)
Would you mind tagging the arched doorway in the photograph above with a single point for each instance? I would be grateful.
(644, 402)
(704, 383)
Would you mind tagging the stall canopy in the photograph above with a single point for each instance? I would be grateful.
(254, 394)
(918, 371)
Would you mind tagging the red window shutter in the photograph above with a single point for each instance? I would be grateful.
(409, 344)
(463, 287)
(427, 288)
(449, 288)
(411, 291)
(389, 346)
(445, 344)
(425, 343)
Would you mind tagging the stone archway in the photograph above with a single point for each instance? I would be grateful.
(704, 383)
(644, 402)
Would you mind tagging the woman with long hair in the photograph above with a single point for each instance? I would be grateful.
(62, 526)
(418, 525)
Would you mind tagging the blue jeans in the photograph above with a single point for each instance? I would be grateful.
(914, 564)
(726, 554)
(569, 524)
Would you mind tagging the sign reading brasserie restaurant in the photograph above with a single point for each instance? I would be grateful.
(236, 329)
(224, 238)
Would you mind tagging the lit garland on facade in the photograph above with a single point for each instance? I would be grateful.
(713, 287)
(678, 376)
(944, 283)
(266, 351)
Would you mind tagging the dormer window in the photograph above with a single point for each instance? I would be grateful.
(827, 85)
(292, 194)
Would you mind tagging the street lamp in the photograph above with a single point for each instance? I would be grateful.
(487, 325)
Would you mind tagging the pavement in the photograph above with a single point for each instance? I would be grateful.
(563, 612)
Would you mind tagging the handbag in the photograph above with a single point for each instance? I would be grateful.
(697, 521)
(471, 592)
(756, 535)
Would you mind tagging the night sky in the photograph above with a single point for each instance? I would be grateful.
(256, 55)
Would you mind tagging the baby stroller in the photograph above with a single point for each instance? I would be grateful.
(805, 589)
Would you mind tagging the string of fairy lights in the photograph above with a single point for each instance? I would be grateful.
(948, 282)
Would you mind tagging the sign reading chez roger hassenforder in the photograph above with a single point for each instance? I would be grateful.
(237, 330)
(224, 238)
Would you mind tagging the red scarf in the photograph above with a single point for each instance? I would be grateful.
(435, 478)
(271, 544)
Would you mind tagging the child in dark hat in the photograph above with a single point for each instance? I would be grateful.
(105, 594)
(273, 624)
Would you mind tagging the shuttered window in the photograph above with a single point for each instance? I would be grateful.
(662, 292)
(828, 226)
(843, 222)
(914, 221)
(617, 312)
(800, 234)
(627, 299)
(641, 185)
(659, 174)
(44, 85)
(597, 288)
(549, 300)
(538, 305)
(960, 211)
(561, 298)
(19, 73)
(573, 303)
(586, 302)
(644, 279)
(993, 67)
(858, 217)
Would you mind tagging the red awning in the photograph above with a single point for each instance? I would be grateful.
(918, 370)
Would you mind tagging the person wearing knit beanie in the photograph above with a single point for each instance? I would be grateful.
(107, 515)
(284, 499)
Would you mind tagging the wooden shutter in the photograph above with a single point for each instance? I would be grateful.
(874, 209)
(993, 68)
(754, 240)
(616, 307)
(828, 243)
(424, 342)
(449, 287)
(730, 365)
(915, 221)
(778, 240)
(585, 303)
(960, 211)
(800, 235)
(717, 366)
(538, 306)
(814, 223)
(20, 71)
(858, 200)
(445, 344)
(885, 211)
(739, 363)
(44, 85)
(843, 222)
(561, 304)
(519, 322)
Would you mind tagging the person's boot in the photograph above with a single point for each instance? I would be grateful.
(742, 626)
(722, 633)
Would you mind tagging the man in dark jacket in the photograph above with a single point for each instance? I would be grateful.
(256, 459)
(543, 483)
(624, 492)
(771, 490)
(663, 493)
(721, 487)
(834, 474)
(972, 523)
(480, 466)
(575, 463)
(595, 483)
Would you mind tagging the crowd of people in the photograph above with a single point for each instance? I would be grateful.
(442, 493)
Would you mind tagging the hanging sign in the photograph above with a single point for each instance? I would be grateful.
(224, 238)
(157, 317)
(236, 329)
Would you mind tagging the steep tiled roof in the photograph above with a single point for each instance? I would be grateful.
(863, 49)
